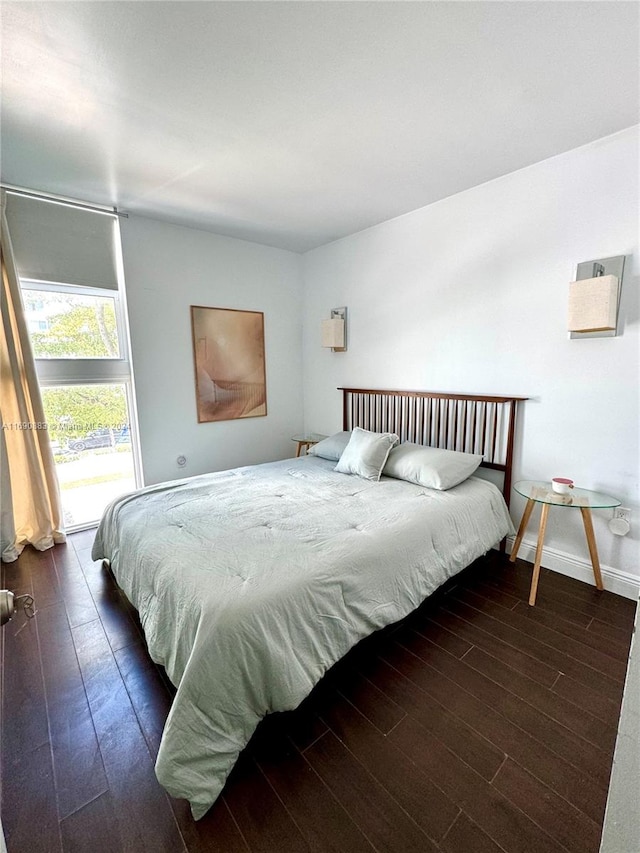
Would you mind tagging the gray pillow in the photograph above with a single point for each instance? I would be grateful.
(332, 447)
(366, 453)
(430, 466)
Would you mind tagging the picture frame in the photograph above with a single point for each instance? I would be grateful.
(229, 363)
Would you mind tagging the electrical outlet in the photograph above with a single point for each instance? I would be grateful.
(622, 512)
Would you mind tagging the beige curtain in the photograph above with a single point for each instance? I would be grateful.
(30, 512)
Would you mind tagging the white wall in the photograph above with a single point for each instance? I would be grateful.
(470, 294)
(167, 269)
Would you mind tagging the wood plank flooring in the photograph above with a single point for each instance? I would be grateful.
(476, 725)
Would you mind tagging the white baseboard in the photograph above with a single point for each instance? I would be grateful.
(622, 583)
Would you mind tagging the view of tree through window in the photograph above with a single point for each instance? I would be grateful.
(71, 325)
(87, 417)
(73, 411)
(91, 442)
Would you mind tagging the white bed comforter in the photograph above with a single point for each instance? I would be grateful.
(251, 583)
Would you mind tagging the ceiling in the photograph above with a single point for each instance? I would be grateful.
(296, 123)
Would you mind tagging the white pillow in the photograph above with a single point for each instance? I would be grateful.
(366, 453)
(430, 466)
(332, 447)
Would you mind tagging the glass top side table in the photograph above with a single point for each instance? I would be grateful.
(539, 491)
(306, 441)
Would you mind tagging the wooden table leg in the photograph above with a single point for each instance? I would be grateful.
(526, 515)
(591, 542)
(299, 450)
(536, 567)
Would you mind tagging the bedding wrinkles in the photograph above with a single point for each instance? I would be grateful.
(251, 583)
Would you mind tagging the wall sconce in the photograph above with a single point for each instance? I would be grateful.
(334, 331)
(594, 298)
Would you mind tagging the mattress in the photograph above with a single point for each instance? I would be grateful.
(251, 583)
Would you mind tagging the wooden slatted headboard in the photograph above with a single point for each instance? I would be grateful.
(467, 422)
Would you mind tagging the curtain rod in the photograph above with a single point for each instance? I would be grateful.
(65, 202)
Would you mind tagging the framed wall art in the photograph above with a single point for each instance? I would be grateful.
(228, 352)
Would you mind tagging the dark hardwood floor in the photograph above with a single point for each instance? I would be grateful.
(476, 725)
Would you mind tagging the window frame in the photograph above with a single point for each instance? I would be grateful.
(65, 372)
(35, 285)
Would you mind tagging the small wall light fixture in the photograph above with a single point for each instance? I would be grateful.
(334, 331)
(594, 298)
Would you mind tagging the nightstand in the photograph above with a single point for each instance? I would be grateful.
(538, 491)
(306, 441)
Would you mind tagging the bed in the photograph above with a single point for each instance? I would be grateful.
(251, 583)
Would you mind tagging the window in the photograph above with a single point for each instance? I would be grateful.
(80, 352)
(70, 269)
(90, 432)
(71, 322)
